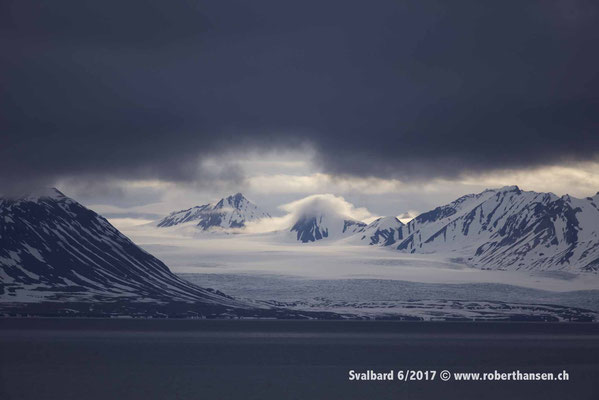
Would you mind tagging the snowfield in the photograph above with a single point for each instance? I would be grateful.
(368, 281)
(275, 254)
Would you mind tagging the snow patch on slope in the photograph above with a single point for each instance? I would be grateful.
(228, 214)
(509, 228)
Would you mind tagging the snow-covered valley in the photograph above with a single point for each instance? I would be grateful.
(269, 254)
(369, 281)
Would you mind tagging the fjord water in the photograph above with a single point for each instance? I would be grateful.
(202, 359)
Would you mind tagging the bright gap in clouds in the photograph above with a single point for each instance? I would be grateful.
(285, 178)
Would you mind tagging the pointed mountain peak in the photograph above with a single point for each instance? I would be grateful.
(236, 200)
(229, 212)
(237, 196)
(386, 222)
(511, 188)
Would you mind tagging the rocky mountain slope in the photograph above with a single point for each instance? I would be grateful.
(384, 231)
(227, 213)
(310, 228)
(509, 228)
(53, 248)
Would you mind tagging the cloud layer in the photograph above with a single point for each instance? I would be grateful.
(149, 90)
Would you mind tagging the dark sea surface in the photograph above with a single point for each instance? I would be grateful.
(204, 359)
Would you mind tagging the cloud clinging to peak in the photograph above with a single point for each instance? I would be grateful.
(331, 206)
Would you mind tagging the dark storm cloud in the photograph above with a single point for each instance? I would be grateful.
(387, 88)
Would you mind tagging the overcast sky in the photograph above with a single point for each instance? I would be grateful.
(140, 107)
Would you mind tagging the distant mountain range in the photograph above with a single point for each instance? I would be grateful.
(504, 228)
(232, 213)
(57, 255)
(227, 213)
(53, 247)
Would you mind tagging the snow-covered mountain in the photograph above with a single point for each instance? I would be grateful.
(509, 228)
(312, 227)
(54, 249)
(383, 231)
(230, 212)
